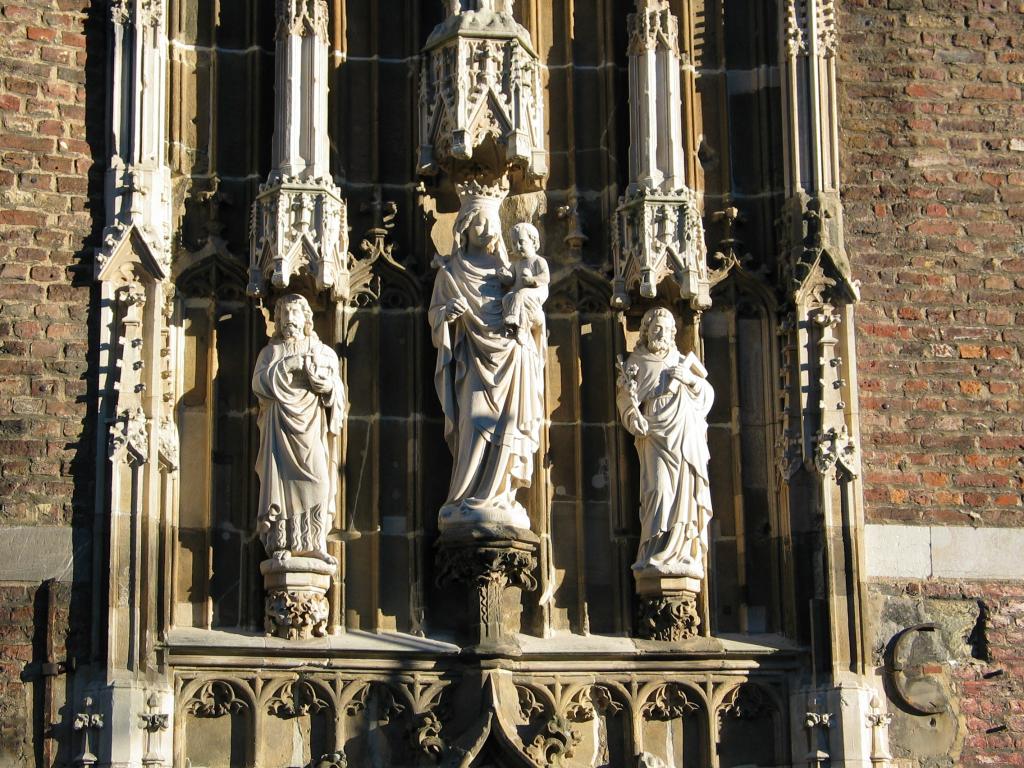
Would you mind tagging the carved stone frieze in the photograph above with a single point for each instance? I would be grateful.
(425, 736)
(590, 702)
(387, 706)
(296, 699)
(555, 743)
(529, 706)
(480, 82)
(746, 702)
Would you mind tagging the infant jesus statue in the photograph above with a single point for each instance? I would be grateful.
(522, 306)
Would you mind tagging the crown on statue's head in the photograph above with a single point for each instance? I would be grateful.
(481, 192)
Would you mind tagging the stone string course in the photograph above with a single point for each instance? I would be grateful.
(50, 215)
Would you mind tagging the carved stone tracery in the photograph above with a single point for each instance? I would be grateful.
(481, 81)
(215, 698)
(659, 232)
(668, 702)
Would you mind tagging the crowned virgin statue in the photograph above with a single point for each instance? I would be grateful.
(490, 381)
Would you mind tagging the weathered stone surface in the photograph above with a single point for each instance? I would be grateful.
(36, 553)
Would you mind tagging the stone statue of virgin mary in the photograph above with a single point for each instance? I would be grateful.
(490, 381)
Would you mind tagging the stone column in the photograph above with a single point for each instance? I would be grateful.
(137, 439)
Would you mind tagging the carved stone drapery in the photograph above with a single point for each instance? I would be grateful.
(659, 230)
(663, 400)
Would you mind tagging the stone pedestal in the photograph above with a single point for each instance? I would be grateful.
(296, 604)
(668, 606)
(495, 564)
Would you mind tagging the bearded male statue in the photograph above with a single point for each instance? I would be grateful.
(302, 405)
(664, 400)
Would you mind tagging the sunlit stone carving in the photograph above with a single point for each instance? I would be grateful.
(300, 221)
(659, 230)
(302, 405)
(481, 84)
(663, 399)
(490, 381)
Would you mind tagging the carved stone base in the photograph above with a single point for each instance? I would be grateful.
(495, 563)
(296, 605)
(668, 607)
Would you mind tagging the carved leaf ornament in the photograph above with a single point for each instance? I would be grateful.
(216, 698)
(668, 702)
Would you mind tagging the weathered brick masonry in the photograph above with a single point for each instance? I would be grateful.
(933, 172)
(51, 141)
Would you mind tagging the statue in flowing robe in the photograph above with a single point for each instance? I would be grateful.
(490, 382)
(302, 404)
(664, 400)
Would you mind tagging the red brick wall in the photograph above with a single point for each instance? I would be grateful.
(931, 115)
(51, 136)
(933, 191)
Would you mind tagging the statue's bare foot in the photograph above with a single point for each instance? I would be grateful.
(329, 559)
